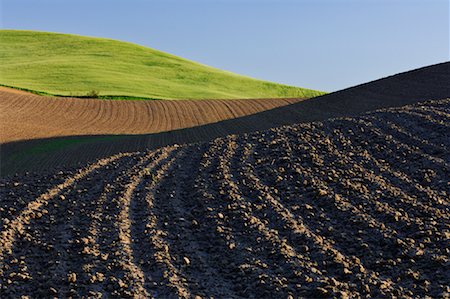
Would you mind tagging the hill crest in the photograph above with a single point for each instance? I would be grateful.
(73, 65)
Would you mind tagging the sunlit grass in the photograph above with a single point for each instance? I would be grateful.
(71, 65)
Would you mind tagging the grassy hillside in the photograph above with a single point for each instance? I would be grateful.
(62, 64)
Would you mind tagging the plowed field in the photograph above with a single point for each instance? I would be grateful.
(342, 208)
(25, 116)
(182, 122)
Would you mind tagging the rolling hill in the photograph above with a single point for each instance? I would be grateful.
(72, 65)
(402, 89)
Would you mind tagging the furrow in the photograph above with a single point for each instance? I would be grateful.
(16, 227)
(159, 251)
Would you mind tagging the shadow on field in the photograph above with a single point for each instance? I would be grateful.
(406, 88)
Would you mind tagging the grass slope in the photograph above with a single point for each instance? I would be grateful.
(71, 65)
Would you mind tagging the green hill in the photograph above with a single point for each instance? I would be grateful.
(71, 65)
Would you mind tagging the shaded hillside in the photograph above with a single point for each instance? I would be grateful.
(405, 88)
(73, 65)
(347, 208)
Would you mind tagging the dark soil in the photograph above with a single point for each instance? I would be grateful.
(346, 208)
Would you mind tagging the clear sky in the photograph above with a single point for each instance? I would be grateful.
(320, 44)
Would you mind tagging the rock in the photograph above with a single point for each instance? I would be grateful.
(186, 261)
(322, 192)
(53, 291)
(72, 277)
(121, 284)
(308, 207)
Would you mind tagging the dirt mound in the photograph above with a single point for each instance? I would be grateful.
(343, 208)
(24, 116)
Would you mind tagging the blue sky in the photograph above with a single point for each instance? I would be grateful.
(320, 44)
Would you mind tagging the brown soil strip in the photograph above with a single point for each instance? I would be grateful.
(25, 116)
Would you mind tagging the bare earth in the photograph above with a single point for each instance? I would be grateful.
(197, 121)
(342, 208)
(24, 116)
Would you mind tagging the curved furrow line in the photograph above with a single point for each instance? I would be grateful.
(20, 105)
(213, 110)
(145, 115)
(353, 211)
(50, 244)
(314, 283)
(300, 170)
(261, 105)
(442, 110)
(381, 174)
(420, 189)
(439, 108)
(338, 265)
(333, 218)
(10, 101)
(132, 115)
(233, 110)
(17, 226)
(400, 150)
(93, 244)
(97, 115)
(168, 119)
(81, 112)
(152, 112)
(197, 113)
(433, 113)
(294, 228)
(240, 107)
(424, 118)
(108, 114)
(106, 246)
(182, 112)
(412, 126)
(171, 121)
(170, 223)
(240, 256)
(244, 258)
(442, 104)
(153, 174)
(405, 214)
(151, 232)
(133, 280)
(16, 195)
(161, 116)
(425, 144)
(194, 250)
